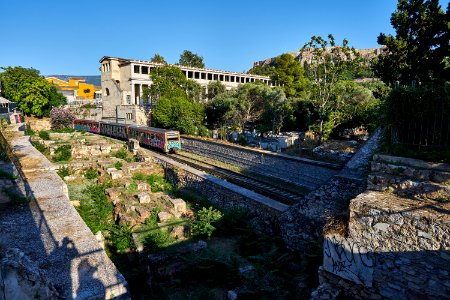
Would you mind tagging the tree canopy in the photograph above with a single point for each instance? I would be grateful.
(32, 93)
(189, 59)
(420, 46)
(157, 58)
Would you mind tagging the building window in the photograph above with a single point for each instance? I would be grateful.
(137, 69)
(129, 117)
(128, 99)
(107, 91)
(144, 70)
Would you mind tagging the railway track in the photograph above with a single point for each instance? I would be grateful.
(264, 188)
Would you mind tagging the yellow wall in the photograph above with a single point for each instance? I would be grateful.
(84, 90)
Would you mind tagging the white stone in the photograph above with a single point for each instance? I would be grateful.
(143, 198)
(179, 205)
(381, 226)
(424, 235)
(164, 216)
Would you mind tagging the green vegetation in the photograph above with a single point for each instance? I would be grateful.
(91, 174)
(61, 118)
(189, 59)
(121, 237)
(62, 153)
(32, 93)
(44, 135)
(40, 147)
(64, 130)
(203, 226)
(124, 154)
(153, 237)
(28, 131)
(64, 171)
(157, 182)
(118, 165)
(16, 196)
(7, 175)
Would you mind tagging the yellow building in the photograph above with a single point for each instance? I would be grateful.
(82, 90)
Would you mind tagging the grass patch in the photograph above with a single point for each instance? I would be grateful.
(63, 130)
(157, 182)
(153, 237)
(28, 131)
(64, 171)
(91, 174)
(40, 147)
(62, 153)
(44, 135)
(124, 154)
(118, 165)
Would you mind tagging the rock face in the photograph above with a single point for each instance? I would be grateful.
(20, 278)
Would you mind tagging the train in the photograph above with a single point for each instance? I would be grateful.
(157, 138)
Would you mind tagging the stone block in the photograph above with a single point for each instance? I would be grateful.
(112, 193)
(178, 232)
(143, 186)
(142, 212)
(179, 205)
(163, 217)
(143, 197)
(115, 174)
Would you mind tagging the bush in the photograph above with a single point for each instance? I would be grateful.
(91, 174)
(121, 153)
(28, 131)
(64, 130)
(63, 153)
(203, 225)
(118, 165)
(64, 171)
(44, 135)
(61, 118)
(121, 237)
(40, 147)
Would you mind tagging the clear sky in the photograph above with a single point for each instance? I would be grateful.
(69, 37)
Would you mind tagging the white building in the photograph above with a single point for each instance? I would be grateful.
(123, 81)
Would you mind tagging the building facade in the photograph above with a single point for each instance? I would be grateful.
(123, 81)
(74, 89)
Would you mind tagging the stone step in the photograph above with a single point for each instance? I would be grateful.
(407, 187)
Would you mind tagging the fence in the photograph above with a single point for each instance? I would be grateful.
(420, 117)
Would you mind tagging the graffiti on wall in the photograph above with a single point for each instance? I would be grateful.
(348, 259)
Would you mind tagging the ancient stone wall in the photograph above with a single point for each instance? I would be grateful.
(303, 172)
(398, 241)
(48, 229)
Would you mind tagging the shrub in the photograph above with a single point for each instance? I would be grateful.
(121, 153)
(40, 147)
(118, 165)
(28, 131)
(121, 237)
(205, 217)
(61, 118)
(91, 174)
(63, 153)
(44, 135)
(64, 130)
(64, 171)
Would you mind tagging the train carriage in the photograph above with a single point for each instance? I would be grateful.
(87, 125)
(115, 130)
(165, 140)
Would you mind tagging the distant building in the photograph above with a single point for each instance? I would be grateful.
(75, 89)
(8, 111)
(123, 82)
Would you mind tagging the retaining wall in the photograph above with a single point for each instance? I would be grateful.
(219, 192)
(50, 231)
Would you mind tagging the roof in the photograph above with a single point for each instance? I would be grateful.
(4, 100)
(126, 61)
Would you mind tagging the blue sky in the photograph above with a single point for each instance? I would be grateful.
(69, 37)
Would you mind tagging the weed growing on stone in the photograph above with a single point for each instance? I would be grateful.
(118, 165)
(157, 182)
(64, 171)
(63, 153)
(91, 174)
(44, 135)
(40, 147)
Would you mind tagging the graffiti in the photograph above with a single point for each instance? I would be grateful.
(348, 259)
(173, 144)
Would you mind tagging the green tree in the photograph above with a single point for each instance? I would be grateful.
(215, 88)
(329, 64)
(287, 72)
(157, 58)
(32, 93)
(220, 110)
(189, 59)
(420, 46)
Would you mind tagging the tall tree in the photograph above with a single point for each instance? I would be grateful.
(32, 93)
(215, 88)
(420, 46)
(157, 58)
(329, 64)
(189, 59)
(287, 72)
